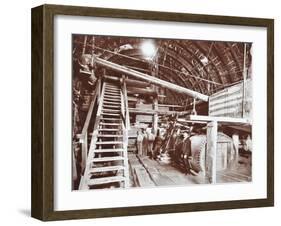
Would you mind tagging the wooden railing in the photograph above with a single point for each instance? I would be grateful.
(84, 178)
(127, 115)
(83, 137)
(125, 129)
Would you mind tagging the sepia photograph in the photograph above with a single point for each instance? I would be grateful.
(152, 112)
(139, 112)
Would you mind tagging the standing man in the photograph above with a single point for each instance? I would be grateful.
(157, 145)
(139, 142)
(144, 144)
(172, 144)
(150, 141)
(186, 152)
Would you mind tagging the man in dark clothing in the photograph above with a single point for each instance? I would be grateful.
(157, 145)
(186, 152)
(178, 149)
(172, 144)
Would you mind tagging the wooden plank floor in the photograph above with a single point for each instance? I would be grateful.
(146, 172)
(138, 174)
(168, 174)
(241, 172)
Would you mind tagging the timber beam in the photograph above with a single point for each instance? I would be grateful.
(151, 79)
(207, 118)
(129, 82)
(150, 92)
(152, 111)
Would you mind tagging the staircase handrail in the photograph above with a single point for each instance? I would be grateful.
(83, 137)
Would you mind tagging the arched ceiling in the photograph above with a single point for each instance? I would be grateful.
(203, 66)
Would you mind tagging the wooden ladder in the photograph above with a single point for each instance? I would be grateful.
(107, 160)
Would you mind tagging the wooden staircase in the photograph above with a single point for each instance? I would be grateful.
(107, 160)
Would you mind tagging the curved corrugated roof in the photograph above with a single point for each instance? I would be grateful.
(203, 66)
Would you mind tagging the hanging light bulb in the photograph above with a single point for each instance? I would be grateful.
(148, 49)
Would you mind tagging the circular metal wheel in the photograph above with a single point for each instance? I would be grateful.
(198, 149)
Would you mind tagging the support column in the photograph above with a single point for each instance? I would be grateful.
(211, 152)
(84, 45)
(74, 169)
(84, 153)
(154, 72)
(235, 139)
(155, 116)
(244, 81)
(99, 89)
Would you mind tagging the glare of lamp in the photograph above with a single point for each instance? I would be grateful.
(148, 48)
(204, 60)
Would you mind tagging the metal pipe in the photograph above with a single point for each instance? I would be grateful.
(146, 77)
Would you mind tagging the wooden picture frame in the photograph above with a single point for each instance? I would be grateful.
(43, 107)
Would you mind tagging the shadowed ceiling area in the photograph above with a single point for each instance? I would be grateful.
(203, 66)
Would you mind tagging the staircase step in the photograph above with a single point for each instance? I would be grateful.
(110, 86)
(106, 92)
(105, 129)
(113, 103)
(112, 93)
(108, 159)
(111, 114)
(112, 110)
(112, 96)
(110, 124)
(115, 89)
(105, 180)
(106, 169)
(112, 89)
(111, 100)
(108, 142)
(111, 119)
(108, 150)
(109, 135)
(108, 109)
(111, 106)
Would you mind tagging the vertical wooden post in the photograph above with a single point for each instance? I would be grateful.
(211, 168)
(155, 116)
(154, 73)
(194, 112)
(74, 169)
(93, 45)
(93, 76)
(84, 151)
(235, 139)
(99, 90)
(84, 45)
(244, 81)
(125, 127)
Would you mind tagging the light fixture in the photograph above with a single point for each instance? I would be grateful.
(204, 60)
(148, 49)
